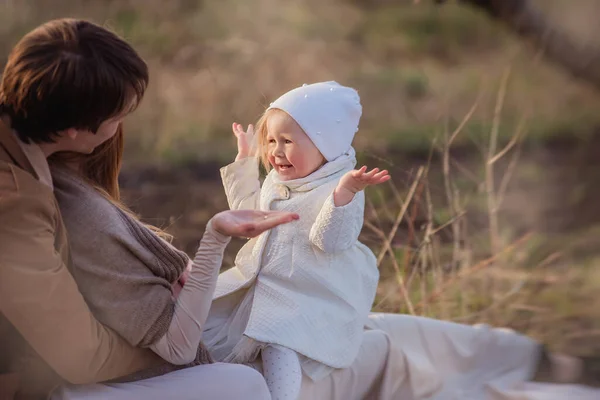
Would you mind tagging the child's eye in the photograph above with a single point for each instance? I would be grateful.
(271, 140)
(287, 141)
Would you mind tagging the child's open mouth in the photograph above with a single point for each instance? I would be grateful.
(283, 167)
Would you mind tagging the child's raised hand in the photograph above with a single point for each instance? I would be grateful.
(244, 140)
(356, 180)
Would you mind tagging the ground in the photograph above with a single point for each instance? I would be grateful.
(419, 69)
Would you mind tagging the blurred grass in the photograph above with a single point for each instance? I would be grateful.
(415, 66)
(541, 284)
(419, 69)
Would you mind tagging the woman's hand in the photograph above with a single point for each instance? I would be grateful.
(244, 140)
(249, 223)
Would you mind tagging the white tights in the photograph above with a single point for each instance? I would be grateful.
(282, 371)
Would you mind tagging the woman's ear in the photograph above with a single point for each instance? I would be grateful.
(72, 133)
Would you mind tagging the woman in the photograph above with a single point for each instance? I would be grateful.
(401, 356)
(129, 275)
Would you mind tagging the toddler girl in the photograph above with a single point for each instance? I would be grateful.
(299, 295)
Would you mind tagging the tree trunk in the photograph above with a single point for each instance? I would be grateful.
(521, 17)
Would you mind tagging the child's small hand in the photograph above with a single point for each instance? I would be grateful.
(356, 180)
(244, 140)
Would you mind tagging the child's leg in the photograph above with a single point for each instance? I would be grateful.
(282, 371)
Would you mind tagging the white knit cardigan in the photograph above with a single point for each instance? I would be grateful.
(316, 283)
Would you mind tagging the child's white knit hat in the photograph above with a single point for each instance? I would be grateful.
(327, 112)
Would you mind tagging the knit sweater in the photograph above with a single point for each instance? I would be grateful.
(313, 281)
(124, 270)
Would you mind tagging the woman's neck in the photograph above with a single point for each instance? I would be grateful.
(72, 163)
(5, 119)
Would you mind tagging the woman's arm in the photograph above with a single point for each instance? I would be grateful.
(180, 343)
(41, 300)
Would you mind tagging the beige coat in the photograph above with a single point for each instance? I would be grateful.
(47, 333)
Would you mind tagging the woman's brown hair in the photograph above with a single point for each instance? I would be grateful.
(69, 73)
(101, 170)
(102, 167)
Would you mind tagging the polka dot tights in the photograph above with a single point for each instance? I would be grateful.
(282, 371)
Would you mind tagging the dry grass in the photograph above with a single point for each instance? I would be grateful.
(480, 273)
(426, 75)
(414, 65)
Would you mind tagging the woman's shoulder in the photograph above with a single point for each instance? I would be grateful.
(67, 183)
(84, 210)
(22, 192)
(16, 181)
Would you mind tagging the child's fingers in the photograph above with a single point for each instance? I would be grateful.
(239, 130)
(384, 178)
(376, 172)
(378, 178)
(358, 173)
(250, 130)
(381, 174)
(370, 174)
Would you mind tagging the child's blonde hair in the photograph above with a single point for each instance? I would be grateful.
(261, 132)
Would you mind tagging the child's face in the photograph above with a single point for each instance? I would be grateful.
(290, 151)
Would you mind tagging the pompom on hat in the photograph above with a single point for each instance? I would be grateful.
(328, 113)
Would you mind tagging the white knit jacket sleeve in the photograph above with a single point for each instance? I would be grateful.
(337, 228)
(242, 187)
